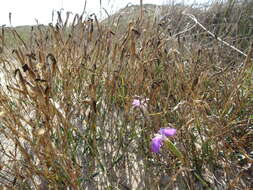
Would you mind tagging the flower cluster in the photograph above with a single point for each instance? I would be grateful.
(162, 135)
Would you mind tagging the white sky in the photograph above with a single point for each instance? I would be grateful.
(24, 12)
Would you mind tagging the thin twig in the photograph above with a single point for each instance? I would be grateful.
(213, 35)
(186, 30)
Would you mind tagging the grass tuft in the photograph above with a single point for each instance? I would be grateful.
(66, 114)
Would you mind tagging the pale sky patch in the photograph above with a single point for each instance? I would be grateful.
(25, 12)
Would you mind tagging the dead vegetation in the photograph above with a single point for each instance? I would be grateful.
(65, 101)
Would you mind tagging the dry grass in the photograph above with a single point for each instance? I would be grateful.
(66, 113)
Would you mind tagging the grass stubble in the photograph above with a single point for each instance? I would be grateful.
(66, 114)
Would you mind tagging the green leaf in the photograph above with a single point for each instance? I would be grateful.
(174, 149)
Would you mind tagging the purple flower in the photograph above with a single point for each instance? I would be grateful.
(139, 102)
(162, 135)
(168, 132)
(156, 143)
(136, 103)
